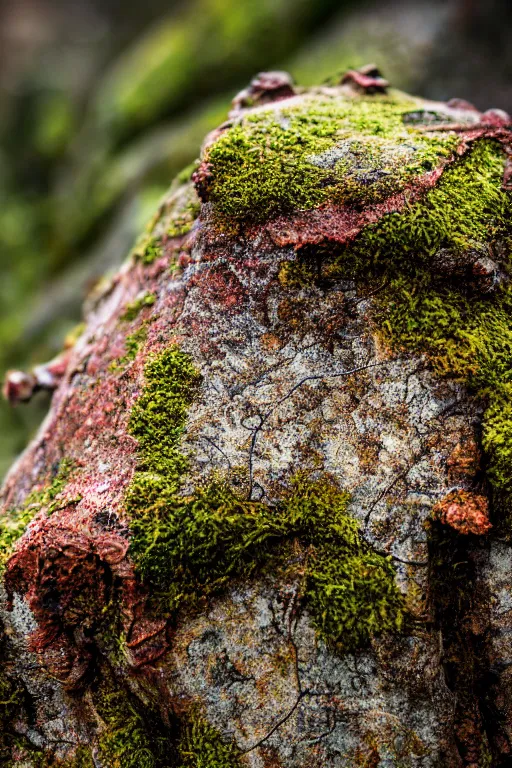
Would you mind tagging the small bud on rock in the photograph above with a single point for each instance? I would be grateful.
(264, 88)
(202, 178)
(19, 387)
(367, 79)
(461, 104)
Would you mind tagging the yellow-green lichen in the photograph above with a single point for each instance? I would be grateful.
(14, 521)
(184, 219)
(324, 148)
(187, 547)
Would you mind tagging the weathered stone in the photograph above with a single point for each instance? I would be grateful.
(160, 574)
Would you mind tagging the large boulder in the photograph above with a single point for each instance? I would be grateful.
(265, 522)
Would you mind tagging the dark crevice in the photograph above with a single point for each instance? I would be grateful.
(460, 609)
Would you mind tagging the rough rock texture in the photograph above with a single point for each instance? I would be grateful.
(258, 526)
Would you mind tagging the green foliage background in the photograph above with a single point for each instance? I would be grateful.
(102, 104)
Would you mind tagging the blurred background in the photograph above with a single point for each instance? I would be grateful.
(102, 102)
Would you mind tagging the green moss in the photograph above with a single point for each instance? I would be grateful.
(188, 547)
(202, 747)
(11, 698)
(323, 149)
(466, 208)
(134, 308)
(128, 739)
(15, 521)
(182, 222)
(133, 343)
(159, 416)
(497, 441)
(82, 758)
(148, 251)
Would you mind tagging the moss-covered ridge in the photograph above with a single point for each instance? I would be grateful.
(439, 274)
(317, 148)
(466, 332)
(188, 547)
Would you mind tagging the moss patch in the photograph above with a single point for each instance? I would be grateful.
(158, 417)
(128, 738)
(188, 547)
(148, 250)
(134, 308)
(466, 333)
(133, 343)
(183, 220)
(467, 208)
(202, 747)
(15, 521)
(324, 149)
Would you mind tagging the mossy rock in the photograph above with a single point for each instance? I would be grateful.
(304, 359)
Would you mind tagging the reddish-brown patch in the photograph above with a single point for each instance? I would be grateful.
(468, 732)
(202, 179)
(457, 103)
(72, 569)
(221, 286)
(465, 511)
(73, 581)
(271, 342)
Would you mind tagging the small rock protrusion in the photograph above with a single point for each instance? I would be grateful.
(202, 179)
(487, 274)
(464, 511)
(263, 89)
(476, 265)
(367, 79)
(497, 118)
(461, 104)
